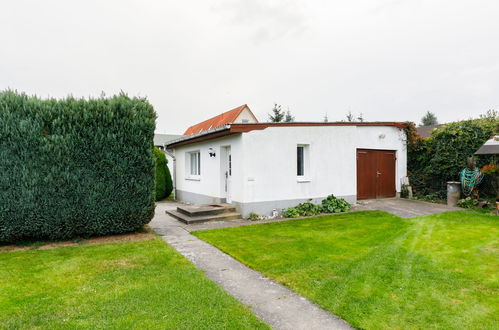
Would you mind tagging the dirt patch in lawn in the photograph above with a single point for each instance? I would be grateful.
(129, 237)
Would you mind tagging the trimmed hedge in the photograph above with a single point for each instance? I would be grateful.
(74, 167)
(164, 184)
(434, 161)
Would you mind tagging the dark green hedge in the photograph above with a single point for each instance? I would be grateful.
(74, 167)
(164, 185)
(434, 161)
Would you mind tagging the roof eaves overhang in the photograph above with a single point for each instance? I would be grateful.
(205, 135)
(230, 129)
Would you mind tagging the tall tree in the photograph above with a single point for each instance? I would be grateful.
(351, 117)
(289, 117)
(429, 119)
(277, 115)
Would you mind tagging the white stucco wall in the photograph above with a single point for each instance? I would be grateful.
(211, 181)
(264, 164)
(270, 163)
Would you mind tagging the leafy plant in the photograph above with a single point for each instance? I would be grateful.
(404, 192)
(74, 167)
(432, 197)
(254, 216)
(334, 205)
(330, 204)
(291, 212)
(308, 209)
(490, 169)
(467, 203)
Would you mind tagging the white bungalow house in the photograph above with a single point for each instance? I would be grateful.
(261, 167)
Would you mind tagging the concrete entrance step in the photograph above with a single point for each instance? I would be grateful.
(205, 210)
(190, 214)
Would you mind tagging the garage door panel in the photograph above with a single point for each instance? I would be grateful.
(386, 177)
(366, 179)
(375, 173)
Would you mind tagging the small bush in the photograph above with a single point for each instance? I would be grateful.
(330, 204)
(404, 192)
(467, 203)
(74, 167)
(254, 216)
(162, 175)
(308, 209)
(334, 205)
(291, 212)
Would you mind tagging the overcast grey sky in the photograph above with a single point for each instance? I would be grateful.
(389, 59)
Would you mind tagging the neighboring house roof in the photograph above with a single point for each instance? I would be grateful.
(244, 128)
(225, 118)
(425, 131)
(490, 147)
(162, 139)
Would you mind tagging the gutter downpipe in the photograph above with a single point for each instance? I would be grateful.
(174, 170)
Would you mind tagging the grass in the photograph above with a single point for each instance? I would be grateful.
(379, 271)
(144, 284)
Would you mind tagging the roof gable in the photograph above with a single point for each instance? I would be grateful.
(225, 118)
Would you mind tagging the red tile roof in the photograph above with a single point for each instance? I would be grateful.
(223, 119)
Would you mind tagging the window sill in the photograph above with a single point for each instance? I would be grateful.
(302, 180)
(193, 179)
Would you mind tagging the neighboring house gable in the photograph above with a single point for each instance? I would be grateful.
(425, 131)
(240, 114)
(161, 139)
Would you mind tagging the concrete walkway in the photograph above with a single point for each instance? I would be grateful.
(273, 303)
(404, 208)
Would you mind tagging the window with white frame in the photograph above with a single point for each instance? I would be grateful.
(302, 160)
(194, 163)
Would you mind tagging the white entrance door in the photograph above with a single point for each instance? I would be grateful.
(228, 175)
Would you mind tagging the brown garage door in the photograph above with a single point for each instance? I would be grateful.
(375, 173)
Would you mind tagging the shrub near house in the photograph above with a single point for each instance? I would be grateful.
(164, 185)
(74, 167)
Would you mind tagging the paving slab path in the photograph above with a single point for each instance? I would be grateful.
(273, 303)
(405, 208)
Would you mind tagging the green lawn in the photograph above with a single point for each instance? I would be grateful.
(379, 271)
(142, 285)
